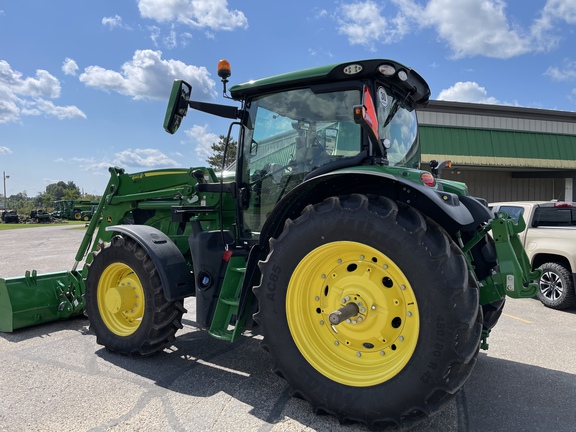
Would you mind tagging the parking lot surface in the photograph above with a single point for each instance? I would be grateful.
(55, 377)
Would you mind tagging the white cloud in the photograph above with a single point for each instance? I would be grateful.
(88, 164)
(363, 24)
(114, 22)
(26, 96)
(468, 27)
(203, 139)
(42, 106)
(568, 73)
(148, 76)
(69, 67)
(130, 159)
(213, 14)
(9, 111)
(5, 150)
(467, 92)
(553, 12)
(44, 85)
(145, 158)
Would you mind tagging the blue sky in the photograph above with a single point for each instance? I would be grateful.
(84, 84)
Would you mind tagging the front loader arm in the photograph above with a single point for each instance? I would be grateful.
(514, 276)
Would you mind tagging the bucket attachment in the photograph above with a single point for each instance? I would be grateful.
(37, 299)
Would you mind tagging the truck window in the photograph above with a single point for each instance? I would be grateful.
(513, 211)
(554, 217)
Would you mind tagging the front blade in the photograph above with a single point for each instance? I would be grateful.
(37, 299)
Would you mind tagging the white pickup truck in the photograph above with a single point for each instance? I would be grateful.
(550, 243)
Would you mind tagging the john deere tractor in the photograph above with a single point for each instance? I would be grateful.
(373, 283)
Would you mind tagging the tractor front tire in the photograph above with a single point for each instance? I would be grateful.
(125, 301)
(413, 335)
(555, 287)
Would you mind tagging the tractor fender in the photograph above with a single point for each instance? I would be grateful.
(172, 268)
(445, 208)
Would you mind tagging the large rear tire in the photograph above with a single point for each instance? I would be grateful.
(125, 301)
(415, 336)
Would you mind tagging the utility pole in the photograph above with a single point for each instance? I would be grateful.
(5, 177)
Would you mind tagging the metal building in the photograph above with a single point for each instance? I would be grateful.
(502, 153)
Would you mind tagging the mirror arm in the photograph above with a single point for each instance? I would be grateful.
(225, 111)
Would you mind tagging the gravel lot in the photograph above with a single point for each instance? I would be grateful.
(56, 378)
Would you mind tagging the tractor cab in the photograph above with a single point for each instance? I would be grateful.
(296, 126)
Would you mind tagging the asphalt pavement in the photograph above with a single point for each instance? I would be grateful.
(55, 377)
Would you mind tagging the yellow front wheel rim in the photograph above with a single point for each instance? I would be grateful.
(369, 347)
(120, 299)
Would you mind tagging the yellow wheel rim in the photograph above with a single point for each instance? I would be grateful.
(120, 299)
(370, 347)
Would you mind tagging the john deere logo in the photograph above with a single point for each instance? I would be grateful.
(109, 219)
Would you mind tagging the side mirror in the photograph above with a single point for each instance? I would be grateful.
(177, 105)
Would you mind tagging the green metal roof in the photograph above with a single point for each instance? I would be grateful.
(414, 88)
(498, 148)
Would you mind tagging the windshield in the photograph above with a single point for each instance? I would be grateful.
(290, 134)
(401, 133)
(302, 129)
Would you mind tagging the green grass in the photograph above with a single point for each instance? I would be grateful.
(10, 226)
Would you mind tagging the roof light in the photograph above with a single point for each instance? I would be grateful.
(402, 75)
(563, 204)
(353, 69)
(428, 179)
(387, 69)
(224, 70)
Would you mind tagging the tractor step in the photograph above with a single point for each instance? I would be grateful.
(226, 324)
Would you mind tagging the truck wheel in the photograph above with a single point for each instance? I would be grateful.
(368, 311)
(556, 288)
(125, 301)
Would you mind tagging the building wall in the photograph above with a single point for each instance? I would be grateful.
(536, 167)
(501, 186)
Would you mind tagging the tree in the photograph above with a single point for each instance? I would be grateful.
(62, 190)
(215, 161)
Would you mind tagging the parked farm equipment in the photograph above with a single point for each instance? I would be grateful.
(74, 209)
(374, 283)
(10, 216)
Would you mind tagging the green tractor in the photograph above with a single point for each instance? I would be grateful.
(373, 283)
